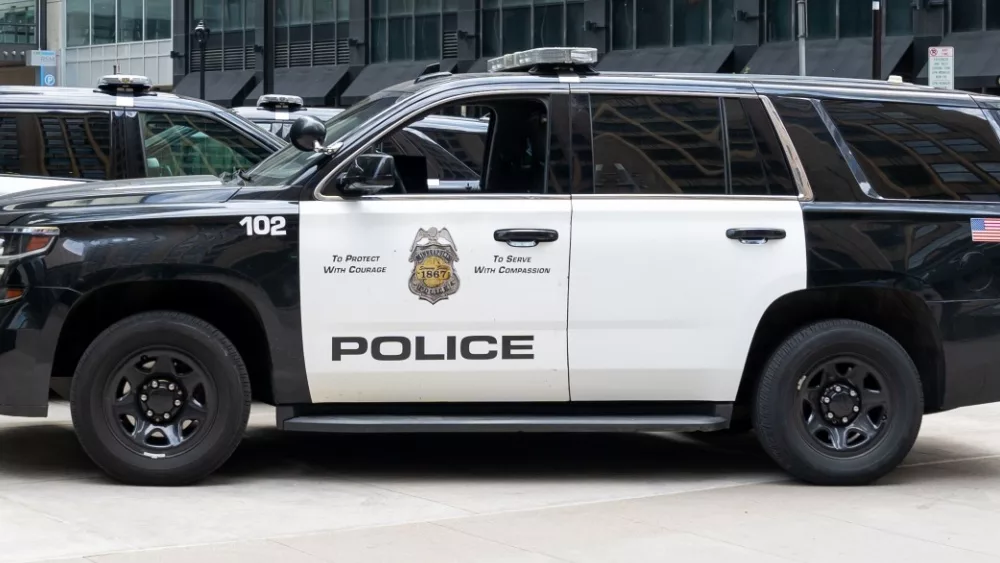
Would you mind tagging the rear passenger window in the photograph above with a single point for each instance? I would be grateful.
(677, 145)
(658, 145)
(916, 151)
(76, 145)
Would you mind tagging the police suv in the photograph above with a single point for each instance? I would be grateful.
(121, 130)
(815, 258)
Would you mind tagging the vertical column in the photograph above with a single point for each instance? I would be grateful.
(359, 32)
(468, 34)
(264, 45)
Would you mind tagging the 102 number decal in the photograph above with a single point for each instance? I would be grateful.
(264, 225)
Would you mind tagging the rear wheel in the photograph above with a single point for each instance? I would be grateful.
(839, 403)
(160, 398)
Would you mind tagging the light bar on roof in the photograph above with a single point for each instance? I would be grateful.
(279, 101)
(550, 56)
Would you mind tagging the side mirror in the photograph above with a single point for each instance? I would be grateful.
(368, 174)
(307, 133)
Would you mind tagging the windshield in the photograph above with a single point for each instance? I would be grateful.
(289, 161)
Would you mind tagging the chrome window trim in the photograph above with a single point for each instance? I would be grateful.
(845, 150)
(791, 153)
(414, 111)
(727, 197)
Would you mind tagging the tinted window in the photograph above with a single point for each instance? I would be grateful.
(746, 166)
(922, 151)
(466, 146)
(828, 174)
(658, 145)
(75, 145)
(441, 164)
(779, 175)
(189, 145)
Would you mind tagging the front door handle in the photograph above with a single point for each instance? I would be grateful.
(525, 237)
(755, 236)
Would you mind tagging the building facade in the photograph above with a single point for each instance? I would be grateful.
(336, 52)
(19, 34)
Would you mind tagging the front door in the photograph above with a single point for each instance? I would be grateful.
(435, 296)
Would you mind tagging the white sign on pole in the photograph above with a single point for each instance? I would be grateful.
(941, 67)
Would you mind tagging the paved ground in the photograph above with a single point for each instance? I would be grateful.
(530, 498)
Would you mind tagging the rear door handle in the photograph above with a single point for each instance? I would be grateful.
(755, 236)
(525, 237)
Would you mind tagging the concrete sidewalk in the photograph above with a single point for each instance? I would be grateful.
(530, 498)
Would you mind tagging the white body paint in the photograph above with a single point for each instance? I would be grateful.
(663, 306)
(381, 304)
(655, 303)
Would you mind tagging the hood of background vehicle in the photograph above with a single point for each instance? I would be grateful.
(186, 189)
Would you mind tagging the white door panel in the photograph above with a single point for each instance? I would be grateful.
(663, 305)
(493, 291)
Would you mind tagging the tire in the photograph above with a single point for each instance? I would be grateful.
(136, 367)
(811, 373)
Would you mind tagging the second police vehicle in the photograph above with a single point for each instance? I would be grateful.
(815, 258)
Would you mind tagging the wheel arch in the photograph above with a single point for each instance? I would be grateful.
(903, 314)
(226, 302)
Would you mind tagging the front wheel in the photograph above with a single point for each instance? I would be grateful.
(160, 398)
(839, 403)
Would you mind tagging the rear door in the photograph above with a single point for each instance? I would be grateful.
(687, 230)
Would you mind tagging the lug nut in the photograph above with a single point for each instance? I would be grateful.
(854, 393)
(856, 409)
(149, 413)
(829, 415)
(180, 393)
(844, 419)
(156, 384)
(826, 399)
(166, 416)
(171, 387)
(177, 403)
(837, 388)
(143, 397)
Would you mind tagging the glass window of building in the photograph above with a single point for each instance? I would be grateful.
(993, 15)
(129, 21)
(822, 19)
(103, 21)
(691, 22)
(855, 18)
(898, 17)
(778, 20)
(408, 30)
(515, 25)
(17, 21)
(77, 23)
(639, 24)
(723, 15)
(157, 19)
(967, 15)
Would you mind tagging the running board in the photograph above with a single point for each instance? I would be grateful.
(367, 423)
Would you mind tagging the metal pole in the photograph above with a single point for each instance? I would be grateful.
(201, 33)
(876, 40)
(269, 20)
(801, 6)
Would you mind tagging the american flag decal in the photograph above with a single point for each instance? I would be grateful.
(986, 230)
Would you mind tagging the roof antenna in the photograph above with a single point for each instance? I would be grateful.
(431, 69)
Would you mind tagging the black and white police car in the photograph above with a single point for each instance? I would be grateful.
(452, 146)
(817, 259)
(120, 130)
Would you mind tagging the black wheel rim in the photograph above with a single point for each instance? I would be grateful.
(844, 406)
(160, 402)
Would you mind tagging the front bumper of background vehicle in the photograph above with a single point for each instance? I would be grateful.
(29, 333)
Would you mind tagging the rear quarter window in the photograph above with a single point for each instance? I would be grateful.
(921, 151)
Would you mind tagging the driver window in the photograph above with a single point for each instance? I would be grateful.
(499, 146)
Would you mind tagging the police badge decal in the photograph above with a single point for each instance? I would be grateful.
(433, 254)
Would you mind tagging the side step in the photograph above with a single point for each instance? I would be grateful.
(368, 423)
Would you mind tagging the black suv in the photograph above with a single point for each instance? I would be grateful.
(119, 130)
(815, 259)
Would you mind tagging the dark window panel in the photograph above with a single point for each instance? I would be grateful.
(491, 33)
(722, 21)
(691, 22)
(622, 24)
(902, 160)
(427, 6)
(428, 37)
(379, 41)
(325, 11)
(400, 7)
(967, 15)
(658, 145)
(828, 174)
(898, 17)
(400, 39)
(779, 20)
(103, 22)
(548, 26)
(234, 15)
(516, 29)
(190, 145)
(746, 166)
(574, 24)
(822, 19)
(379, 7)
(993, 18)
(780, 180)
(78, 22)
(129, 21)
(855, 18)
(652, 28)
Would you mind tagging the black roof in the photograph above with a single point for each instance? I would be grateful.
(35, 96)
(733, 83)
